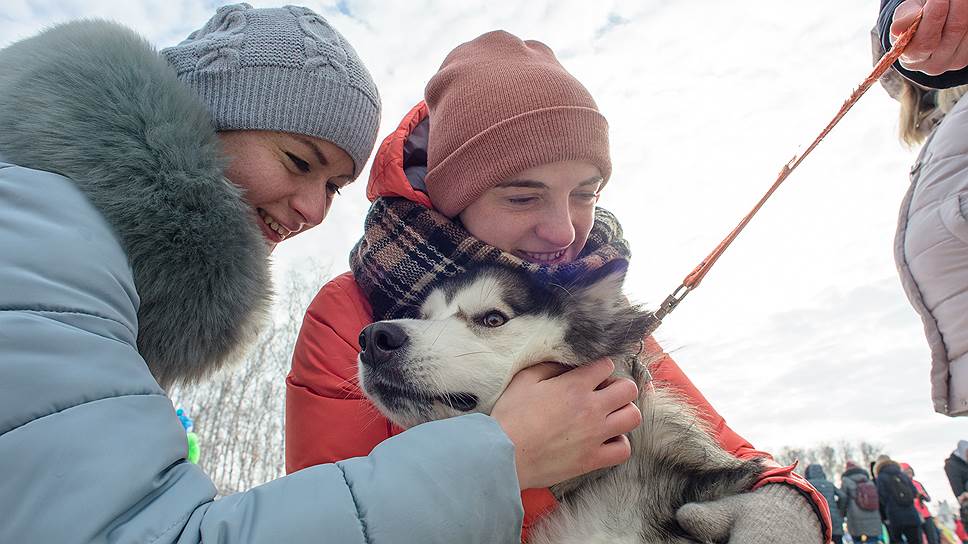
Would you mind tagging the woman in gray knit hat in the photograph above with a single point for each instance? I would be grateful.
(140, 203)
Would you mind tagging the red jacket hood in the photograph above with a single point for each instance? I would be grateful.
(387, 176)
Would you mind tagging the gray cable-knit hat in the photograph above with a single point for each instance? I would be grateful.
(283, 69)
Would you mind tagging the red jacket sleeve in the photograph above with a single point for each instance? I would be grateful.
(666, 373)
(327, 417)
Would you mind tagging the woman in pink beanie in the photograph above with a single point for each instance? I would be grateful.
(502, 164)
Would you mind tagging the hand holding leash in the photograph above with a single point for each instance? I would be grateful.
(565, 423)
(939, 44)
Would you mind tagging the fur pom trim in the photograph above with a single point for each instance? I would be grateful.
(93, 101)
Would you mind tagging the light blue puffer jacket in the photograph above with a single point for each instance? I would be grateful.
(90, 447)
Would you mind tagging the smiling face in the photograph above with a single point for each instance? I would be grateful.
(290, 180)
(543, 215)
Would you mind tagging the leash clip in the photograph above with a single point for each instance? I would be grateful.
(669, 304)
(672, 301)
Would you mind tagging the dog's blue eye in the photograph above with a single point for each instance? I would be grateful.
(494, 319)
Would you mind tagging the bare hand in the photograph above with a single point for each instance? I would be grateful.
(939, 45)
(567, 423)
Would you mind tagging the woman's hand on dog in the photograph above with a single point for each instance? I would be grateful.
(567, 422)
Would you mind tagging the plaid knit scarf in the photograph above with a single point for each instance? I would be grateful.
(407, 249)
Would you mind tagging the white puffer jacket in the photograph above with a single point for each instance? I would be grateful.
(931, 250)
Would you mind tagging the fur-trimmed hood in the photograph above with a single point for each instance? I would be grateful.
(93, 101)
(886, 466)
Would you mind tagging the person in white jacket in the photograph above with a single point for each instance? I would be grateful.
(931, 245)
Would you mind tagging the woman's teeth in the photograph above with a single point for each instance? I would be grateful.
(544, 257)
(273, 224)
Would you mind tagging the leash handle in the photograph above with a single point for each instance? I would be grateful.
(696, 276)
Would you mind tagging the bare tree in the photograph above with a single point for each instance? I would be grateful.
(789, 455)
(832, 458)
(848, 452)
(829, 458)
(239, 413)
(869, 453)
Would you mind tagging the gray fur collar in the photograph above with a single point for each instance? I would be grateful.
(93, 101)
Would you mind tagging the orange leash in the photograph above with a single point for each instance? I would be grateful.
(697, 275)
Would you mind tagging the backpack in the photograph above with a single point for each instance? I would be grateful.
(898, 490)
(867, 496)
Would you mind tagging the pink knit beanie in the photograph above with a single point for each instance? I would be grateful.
(499, 106)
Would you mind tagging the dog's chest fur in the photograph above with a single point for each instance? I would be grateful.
(674, 461)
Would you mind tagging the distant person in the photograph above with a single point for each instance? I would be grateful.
(896, 492)
(836, 499)
(956, 468)
(863, 505)
(928, 526)
(930, 244)
(960, 531)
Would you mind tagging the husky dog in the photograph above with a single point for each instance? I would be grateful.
(477, 330)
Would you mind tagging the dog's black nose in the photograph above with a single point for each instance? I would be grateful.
(379, 341)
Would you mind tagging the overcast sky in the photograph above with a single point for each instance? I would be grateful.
(801, 334)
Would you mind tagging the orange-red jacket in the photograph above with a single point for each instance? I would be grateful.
(328, 418)
(919, 503)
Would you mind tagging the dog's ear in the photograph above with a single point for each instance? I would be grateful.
(602, 285)
(602, 289)
(602, 320)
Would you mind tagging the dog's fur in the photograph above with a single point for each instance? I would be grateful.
(460, 356)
